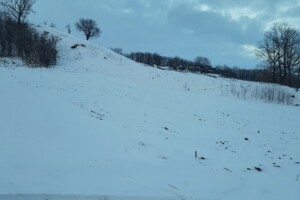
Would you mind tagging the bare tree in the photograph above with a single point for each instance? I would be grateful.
(89, 27)
(68, 26)
(268, 52)
(202, 61)
(19, 9)
(202, 64)
(280, 52)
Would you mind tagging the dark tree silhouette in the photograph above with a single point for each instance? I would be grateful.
(280, 52)
(89, 27)
(202, 61)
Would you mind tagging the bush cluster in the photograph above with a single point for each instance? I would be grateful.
(21, 40)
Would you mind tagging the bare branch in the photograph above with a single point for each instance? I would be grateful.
(18, 9)
(280, 51)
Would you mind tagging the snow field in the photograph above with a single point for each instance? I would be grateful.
(100, 124)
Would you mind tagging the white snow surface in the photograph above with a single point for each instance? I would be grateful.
(100, 126)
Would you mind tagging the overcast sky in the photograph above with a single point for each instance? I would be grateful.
(225, 31)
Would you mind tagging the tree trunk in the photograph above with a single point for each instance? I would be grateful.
(19, 19)
(290, 77)
(274, 74)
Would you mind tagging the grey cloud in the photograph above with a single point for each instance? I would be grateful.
(203, 23)
(211, 25)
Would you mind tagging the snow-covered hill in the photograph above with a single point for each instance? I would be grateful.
(100, 124)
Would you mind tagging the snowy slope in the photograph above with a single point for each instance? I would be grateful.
(100, 124)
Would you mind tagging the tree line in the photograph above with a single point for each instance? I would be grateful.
(203, 65)
(256, 75)
(200, 64)
(279, 52)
